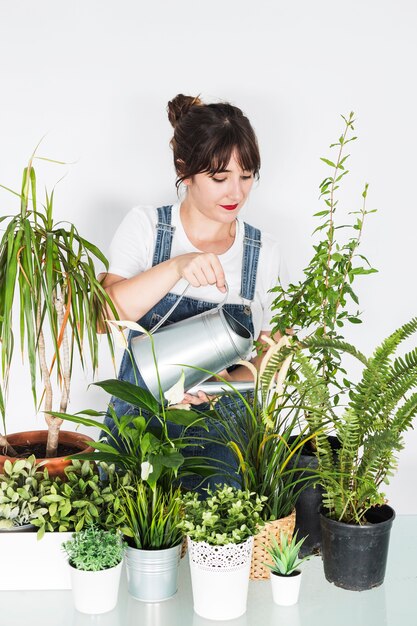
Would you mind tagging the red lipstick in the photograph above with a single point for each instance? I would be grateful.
(229, 207)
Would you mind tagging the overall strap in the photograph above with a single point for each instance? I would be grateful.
(164, 235)
(251, 247)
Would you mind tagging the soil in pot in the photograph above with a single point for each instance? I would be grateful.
(34, 442)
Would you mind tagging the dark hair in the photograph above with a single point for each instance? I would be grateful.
(205, 136)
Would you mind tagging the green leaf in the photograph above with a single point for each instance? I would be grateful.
(131, 393)
(182, 417)
(328, 162)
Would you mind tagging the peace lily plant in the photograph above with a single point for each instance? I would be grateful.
(141, 443)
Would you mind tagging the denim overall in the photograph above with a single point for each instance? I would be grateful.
(189, 307)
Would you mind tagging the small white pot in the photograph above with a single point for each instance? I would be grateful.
(286, 589)
(95, 592)
(220, 578)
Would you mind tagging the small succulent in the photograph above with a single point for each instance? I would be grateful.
(94, 549)
(228, 515)
(284, 554)
(19, 493)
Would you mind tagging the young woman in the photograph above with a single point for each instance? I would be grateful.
(199, 240)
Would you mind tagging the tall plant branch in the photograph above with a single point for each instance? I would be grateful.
(332, 207)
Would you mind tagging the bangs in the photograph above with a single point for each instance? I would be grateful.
(218, 157)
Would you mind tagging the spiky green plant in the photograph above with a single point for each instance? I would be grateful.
(152, 516)
(380, 408)
(284, 554)
(47, 270)
(262, 430)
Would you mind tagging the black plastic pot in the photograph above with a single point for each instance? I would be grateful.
(355, 557)
(309, 502)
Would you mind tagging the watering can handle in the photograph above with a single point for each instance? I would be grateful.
(166, 316)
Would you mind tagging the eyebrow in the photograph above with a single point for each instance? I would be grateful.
(228, 171)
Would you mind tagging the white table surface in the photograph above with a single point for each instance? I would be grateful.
(320, 604)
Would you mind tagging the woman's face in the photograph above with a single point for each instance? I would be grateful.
(220, 197)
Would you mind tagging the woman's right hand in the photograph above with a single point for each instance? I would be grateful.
(201, 269)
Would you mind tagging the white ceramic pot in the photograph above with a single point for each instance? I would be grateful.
(286, 589)
(95, 592)
(220, 578)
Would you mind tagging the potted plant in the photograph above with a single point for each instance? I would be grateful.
(285, 575)
(19, 496)
(95, 558)
(48, 268)
(260, 431)
(56, 509)
(144, 439)
(322, 302)
(154, 538)
(356, 521)
(220, 533)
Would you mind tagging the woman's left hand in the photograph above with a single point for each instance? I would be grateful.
(200, 398)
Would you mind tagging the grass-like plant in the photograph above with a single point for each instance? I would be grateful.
(94, 549)
(47, 270)
(152, 516)
(261, 430)
(284, 554)
(380, 408)
(227, 515)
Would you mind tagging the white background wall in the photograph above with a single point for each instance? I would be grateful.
(96, 75)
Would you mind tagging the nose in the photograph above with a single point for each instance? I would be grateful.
(236, 190)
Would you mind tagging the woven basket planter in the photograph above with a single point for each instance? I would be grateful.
(258, 570)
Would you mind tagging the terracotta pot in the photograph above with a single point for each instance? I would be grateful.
(56, 465)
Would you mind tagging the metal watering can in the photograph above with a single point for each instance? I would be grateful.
(212, 340)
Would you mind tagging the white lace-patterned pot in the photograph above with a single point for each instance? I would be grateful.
(220, 578)
(286, 589)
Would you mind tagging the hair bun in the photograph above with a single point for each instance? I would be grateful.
(180, 106)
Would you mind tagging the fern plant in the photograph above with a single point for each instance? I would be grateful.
(380, 408)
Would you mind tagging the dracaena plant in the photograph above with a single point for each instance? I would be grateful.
(322, 302)
(379, 410)
(47, 272)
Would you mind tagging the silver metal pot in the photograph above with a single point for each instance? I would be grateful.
(152, 575)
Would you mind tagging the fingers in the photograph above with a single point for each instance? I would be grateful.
(204, 269)
(200, 398)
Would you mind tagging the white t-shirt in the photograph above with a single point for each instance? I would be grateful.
(132, 250)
